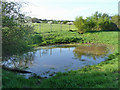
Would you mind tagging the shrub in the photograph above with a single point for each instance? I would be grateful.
(97, 21)
(36, 39)
(80, 24)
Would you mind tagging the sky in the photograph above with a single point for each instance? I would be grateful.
(68, 9)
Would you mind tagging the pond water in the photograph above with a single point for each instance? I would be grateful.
(47, 61)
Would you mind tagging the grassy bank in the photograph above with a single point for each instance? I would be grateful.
(65, 37)
(103, 75)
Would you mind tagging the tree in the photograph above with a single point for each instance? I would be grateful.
(15, 31)
(90, 23)
(97, 21)
(116, 19)
(80, 24)
(103, 23)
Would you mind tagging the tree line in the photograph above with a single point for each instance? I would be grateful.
(36, 20)
(97, 22)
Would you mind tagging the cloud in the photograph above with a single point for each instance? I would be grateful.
(67, 9)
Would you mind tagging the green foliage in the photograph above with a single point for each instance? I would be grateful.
(97, 21)
(116, 19)
(36, 39)
(73, 37)
(90, 23)
(103, 23)
(15, 40)
(80, 23)
(59, 37)
(15, 33)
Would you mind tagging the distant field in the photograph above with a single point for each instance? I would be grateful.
(43, 27)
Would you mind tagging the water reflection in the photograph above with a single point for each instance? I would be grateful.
(93, 51)
(48, 61)
(22, 62)
(49, 51)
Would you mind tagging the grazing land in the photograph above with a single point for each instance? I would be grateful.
(103, 75)
(45, 27)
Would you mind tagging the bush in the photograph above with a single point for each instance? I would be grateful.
(116, 20)
(97, 21)
(80, 23)
(14, 41)
(36, 39)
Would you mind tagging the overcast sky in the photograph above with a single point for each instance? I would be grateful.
(68, 9)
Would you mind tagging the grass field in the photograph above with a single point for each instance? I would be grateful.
(103, 75)
(45, 27)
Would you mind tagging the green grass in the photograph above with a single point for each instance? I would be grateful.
(55, 27)
(60, 37)
(103, 75)
(12, 80)
(65, 37)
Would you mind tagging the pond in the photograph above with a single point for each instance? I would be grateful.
(47, 61)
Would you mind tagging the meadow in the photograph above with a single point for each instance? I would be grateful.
(45, 27)
(103, 75)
